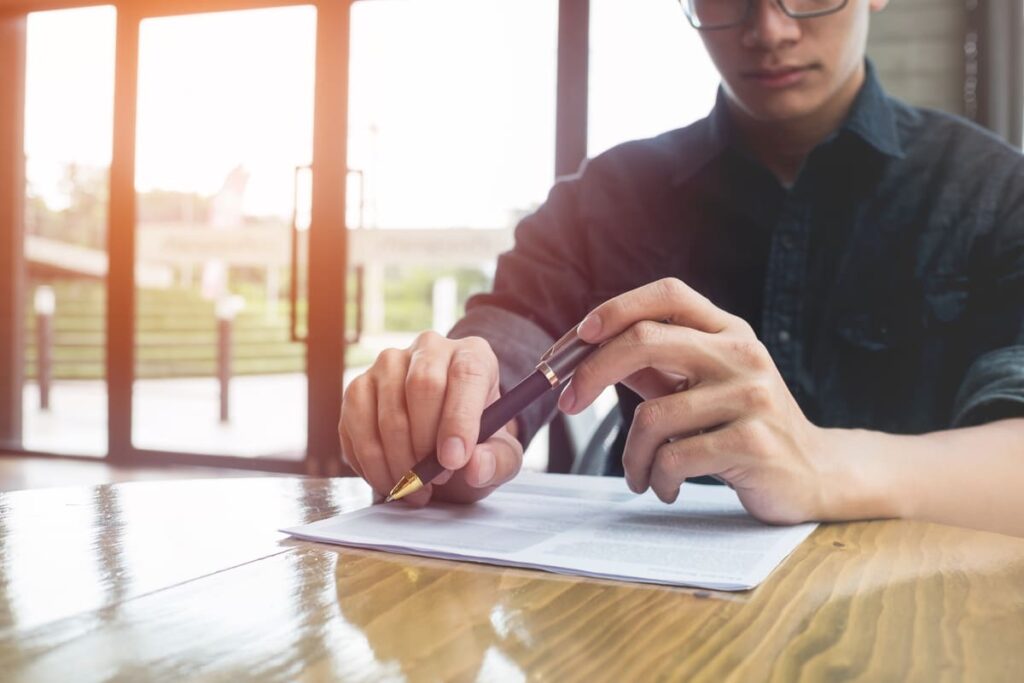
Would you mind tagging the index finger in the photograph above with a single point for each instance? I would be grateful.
(668, 300)
(471, 378)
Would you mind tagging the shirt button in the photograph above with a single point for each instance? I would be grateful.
(788, 242)
(784, 336)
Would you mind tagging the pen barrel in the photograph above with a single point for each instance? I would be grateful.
(494, 417)
(567, 359)
(513, 402)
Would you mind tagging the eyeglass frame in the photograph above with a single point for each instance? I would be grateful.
(750, 5)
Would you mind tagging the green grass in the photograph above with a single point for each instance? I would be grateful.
(176, 328)
(175, 336)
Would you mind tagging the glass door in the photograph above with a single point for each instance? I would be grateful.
(69, 83)
(452, 140)
(224, 119)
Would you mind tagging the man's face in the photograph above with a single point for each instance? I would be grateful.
(776, 68)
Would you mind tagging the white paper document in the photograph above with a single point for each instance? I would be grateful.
(589, 526)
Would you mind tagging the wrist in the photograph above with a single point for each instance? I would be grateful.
(856, 480)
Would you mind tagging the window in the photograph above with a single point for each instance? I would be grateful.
(225, 114)
(452, 133)
(649, 72)
(68, 122)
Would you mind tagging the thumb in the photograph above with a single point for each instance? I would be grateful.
(491, 464)
(495, 461)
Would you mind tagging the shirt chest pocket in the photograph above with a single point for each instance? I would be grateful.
(904, 319)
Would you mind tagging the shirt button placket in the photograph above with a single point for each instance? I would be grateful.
(784, 288)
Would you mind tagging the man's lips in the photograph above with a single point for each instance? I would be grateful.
(779, 76)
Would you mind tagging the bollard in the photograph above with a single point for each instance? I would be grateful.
(227, 308)
(45, 304)
(446, 303)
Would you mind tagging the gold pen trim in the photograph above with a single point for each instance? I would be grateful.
(409, 483)
(548, 373)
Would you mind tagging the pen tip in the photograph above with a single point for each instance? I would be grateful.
(389, 499)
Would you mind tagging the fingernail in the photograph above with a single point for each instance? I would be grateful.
(485, 466)
(567, 400)
(590, 327)
(453, 453)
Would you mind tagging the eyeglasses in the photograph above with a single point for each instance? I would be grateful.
(711, 15)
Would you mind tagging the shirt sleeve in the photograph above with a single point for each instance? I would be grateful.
(541, 290)
(993, 387)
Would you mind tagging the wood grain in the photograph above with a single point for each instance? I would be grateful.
(175, 580)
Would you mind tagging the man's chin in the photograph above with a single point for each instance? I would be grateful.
(778, 107)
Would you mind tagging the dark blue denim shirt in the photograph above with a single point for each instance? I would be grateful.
(887, 282)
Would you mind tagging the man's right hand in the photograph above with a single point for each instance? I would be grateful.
(426, 397)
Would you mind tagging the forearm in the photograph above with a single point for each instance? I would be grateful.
(968, 477)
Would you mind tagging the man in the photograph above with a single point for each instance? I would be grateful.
(816, 294)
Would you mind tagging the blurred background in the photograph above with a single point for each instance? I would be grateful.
(213, 214)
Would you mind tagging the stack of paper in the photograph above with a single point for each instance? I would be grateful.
(589, 526)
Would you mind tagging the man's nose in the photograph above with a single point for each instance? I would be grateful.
(768, 26)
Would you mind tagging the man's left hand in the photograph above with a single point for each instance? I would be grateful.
(714, 402)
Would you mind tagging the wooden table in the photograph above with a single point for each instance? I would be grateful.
(189, 580)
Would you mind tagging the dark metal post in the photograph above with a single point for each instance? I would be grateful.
(227, 308)
(45, 306)
(224, 366)
(994, 67)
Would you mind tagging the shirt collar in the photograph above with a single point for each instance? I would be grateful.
(871, 118)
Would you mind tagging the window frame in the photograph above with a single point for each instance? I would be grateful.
(994, 67)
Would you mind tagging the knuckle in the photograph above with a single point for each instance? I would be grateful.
(390, 358)
(353, 391)
(644, 333)
(670, 457)
(468, 366)
(426, 339)
(477, 345)
(647, 416)
(393, 425)
(751, 353)
(425, 381)
(757, 396)
(743, 327)
(754, 353)
(672, 288)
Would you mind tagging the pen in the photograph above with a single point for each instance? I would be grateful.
(556, 366)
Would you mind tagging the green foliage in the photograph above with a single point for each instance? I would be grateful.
(83, 221)
(176, 329)
(409, 294)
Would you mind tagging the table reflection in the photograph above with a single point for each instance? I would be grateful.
(428, 620)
